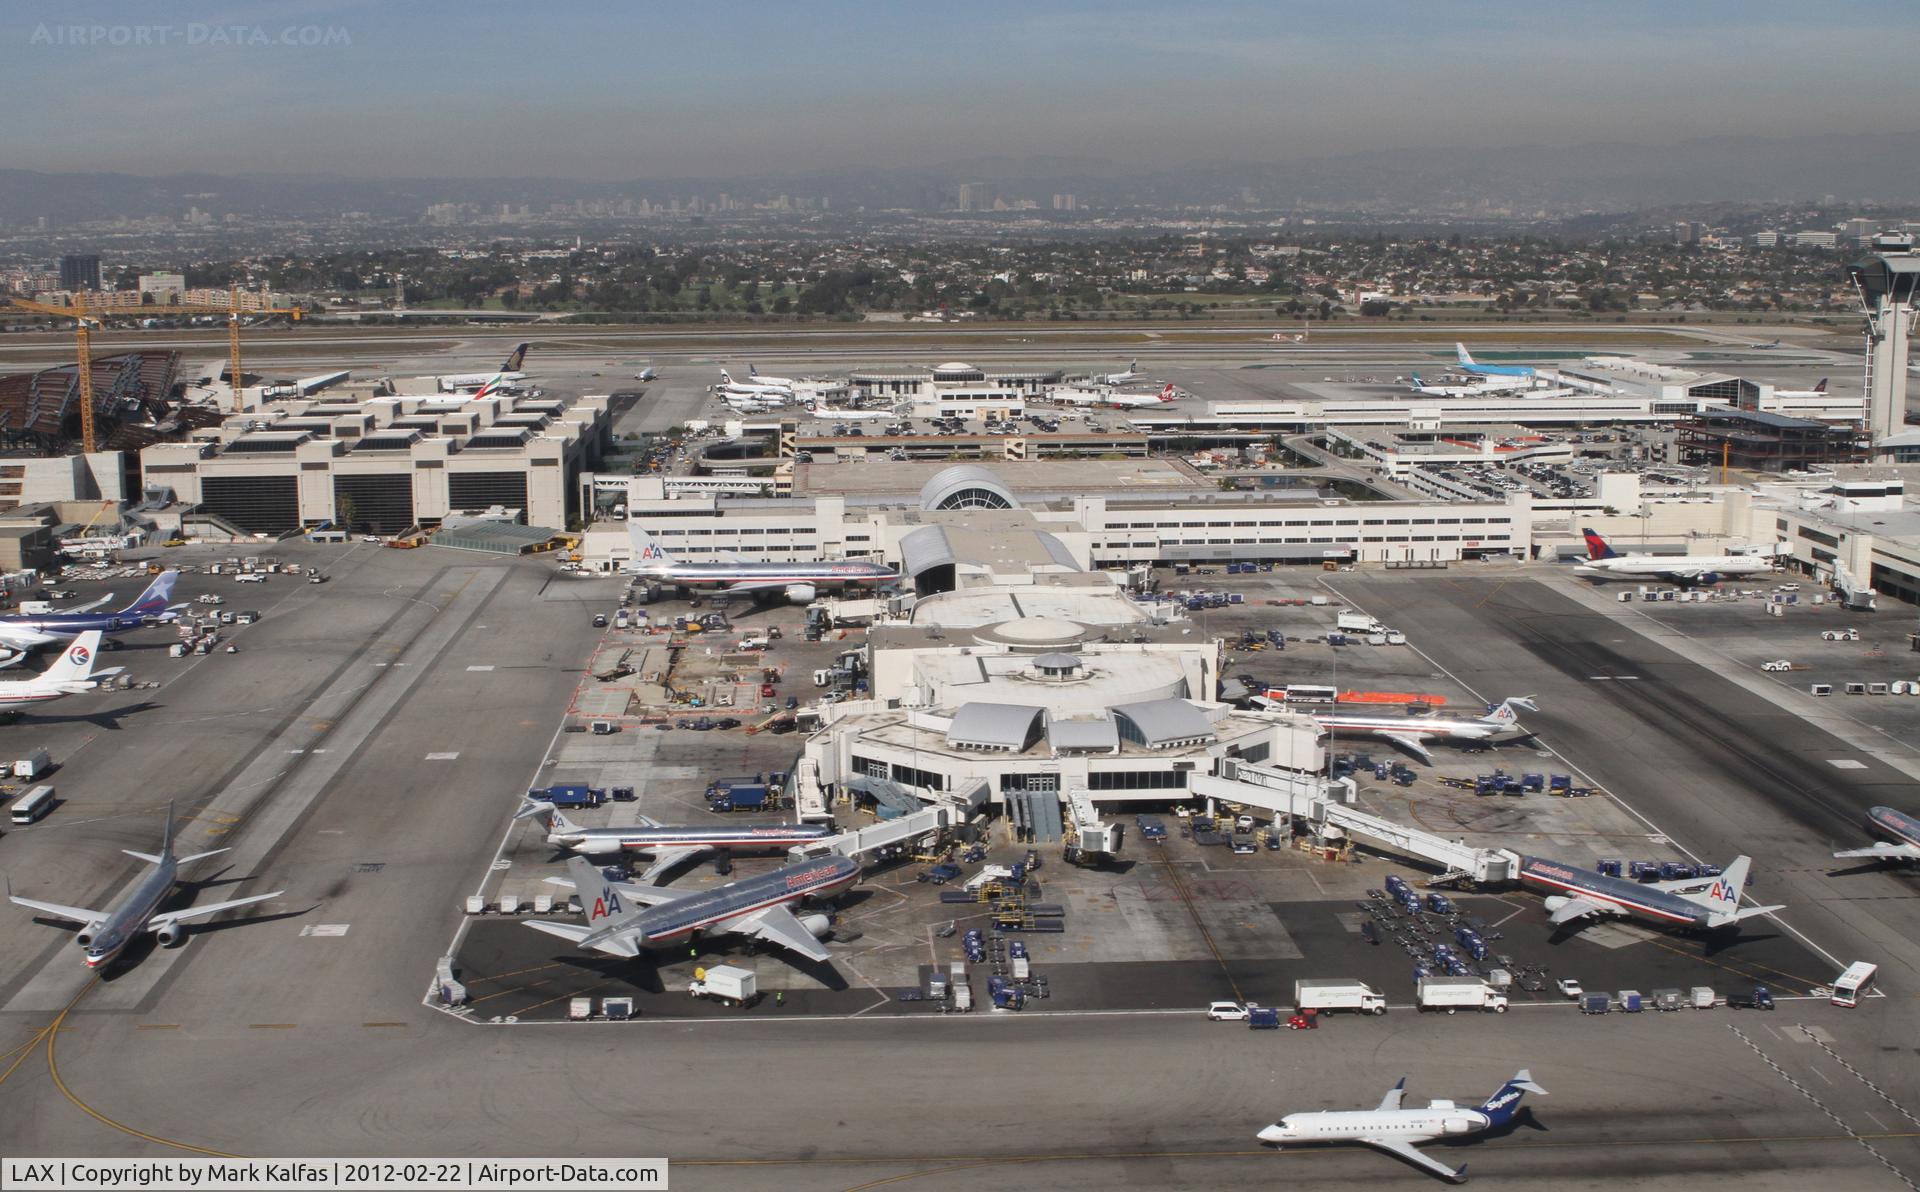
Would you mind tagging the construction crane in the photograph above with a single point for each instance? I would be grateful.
(85, 321)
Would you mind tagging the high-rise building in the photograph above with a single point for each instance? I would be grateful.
(1065, 203)
(976, 196)
(80, 271)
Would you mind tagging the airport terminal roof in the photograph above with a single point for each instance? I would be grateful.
(1163, 723)
(492, 537)
(993, 726)
(1097, 734)
(995, 547)
(966, 486)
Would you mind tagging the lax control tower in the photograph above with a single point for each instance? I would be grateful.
(1885, 281)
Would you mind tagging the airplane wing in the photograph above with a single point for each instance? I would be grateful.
(776, 925)
(1885, 851)
(195, 912)
(1411, 744)
(1577, 907)
(733, 557)
(87, 608)
(76, 914)
(1395, 1096)
(19, 637)
(666, 859)
(762, 585)
(1405, 1150)
(1682, 574)
(618, 944)
(643, 895)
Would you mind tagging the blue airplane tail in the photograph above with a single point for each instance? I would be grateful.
(1504, 1103)
(154, 600)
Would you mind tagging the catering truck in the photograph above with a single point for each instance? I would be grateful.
(1459, 993)
(1338, 993)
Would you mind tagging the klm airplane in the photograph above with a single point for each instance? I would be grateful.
(1490, 370)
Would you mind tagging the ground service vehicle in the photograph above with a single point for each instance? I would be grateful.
(725, 982)
(1338, 993)
(1458, 993)
(32, 805)
(1850, 986)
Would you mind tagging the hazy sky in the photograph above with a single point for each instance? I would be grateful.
(700, 88)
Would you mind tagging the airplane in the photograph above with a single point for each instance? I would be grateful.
(71, 674)
(822, 410)
(1695, 902)
(1410, 732)
(1466, 364)
(1118, 401)
(26, 630)
(105, 934)
(1132, 374)
(1603, 560)
(1819, 390)
(1897, 824)
(1395, 1129)
(623, 919)
(756, 377)
(799, 581)
(1481, 389)
(668, 844)
(751, 403)
(506, 374)
(649, 373)
(728, 385)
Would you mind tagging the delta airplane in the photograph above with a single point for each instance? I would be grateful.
(800, 582)
(1118, 401)
(1603, 560)
(1396, 1130)
(669, 845)
(1412, 732)
(623, 919)
(26, 631)
(1132, 374)
(1466, 364)
(1819, 390)
(71, 674)
(507, 374)
(105, 934)
(1687, 903)
(1897, 824)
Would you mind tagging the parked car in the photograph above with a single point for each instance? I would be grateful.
(1227, 1012)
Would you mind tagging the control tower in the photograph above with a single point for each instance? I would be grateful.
(1886, 280)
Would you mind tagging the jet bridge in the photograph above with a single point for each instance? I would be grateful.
(878, 836)
(1313, 799)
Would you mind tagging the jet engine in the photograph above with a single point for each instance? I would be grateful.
(1710, 577)
(596, 846)
(170, 935)
(817, 925)
(85, 937)
(1556, 902)
(800, 593)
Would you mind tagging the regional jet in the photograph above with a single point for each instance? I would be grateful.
(1603, 560)
(1412, 733)
(25, 631)
(623, 919)
(105, 934)
(800, 581)
(507, 374)
(1396, 1130)
(1696, 902)
(71, 674)
(669, 845)
(1132, 374)
(1897, 824)
(1466, 364)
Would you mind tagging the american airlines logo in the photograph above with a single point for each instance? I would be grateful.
(650, 552)
(810, 876)
(1725, 890)
(607, 904)
(1565, 875)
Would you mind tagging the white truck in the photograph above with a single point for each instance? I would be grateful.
(1357, 623)
(33, 765)
(725, 982)
(1459, 993)
(1338, 993)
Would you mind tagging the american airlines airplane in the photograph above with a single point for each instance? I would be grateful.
(71, 674)
(622, 919)
(1897, 824)
(105, 934)
(800, 582)
(507, 374)
(1412, 733)
(1396, 1130)
(1465, 362)
(1688, 903)
(1603, 561)
(26, 631)
(669, 844)
(1132, 374)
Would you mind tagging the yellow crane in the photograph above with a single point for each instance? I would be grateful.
(85, 320)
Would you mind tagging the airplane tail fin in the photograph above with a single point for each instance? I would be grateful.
(645, 549)
(1166, 391)
(153, 601)
(752, 370)
(516, 359)
(1503, 713)
(1722, 898)
(1505, 1101)
(1821, 387)
(726, 378)
(166, 834)
(600, 899)
(1462, 356)
(76, 664)
(1597, 547)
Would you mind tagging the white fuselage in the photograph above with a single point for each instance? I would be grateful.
(1368, 1125)
(1656, 566)
(1443, 727)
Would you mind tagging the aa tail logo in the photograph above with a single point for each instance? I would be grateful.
(605, 906)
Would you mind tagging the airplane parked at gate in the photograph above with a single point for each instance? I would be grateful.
(1118, 401)
(71, 674)
(1819, 390)
(1465, 363)
(1412, 733)
(1695, 902)
(1477, 389)
(507, 374)
(25, 631)
(105, 934)
(1396, 1130)
(623, 919)
(1132, 374)
(756, 377)
(822, 410)
(669, 844)
(799, 582)
(1897, 824)
(751, 387)
(1603, 560)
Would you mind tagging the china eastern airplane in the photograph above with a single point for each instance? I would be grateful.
(622, 919)
(822, 410)
(800, 582)
(669, 845)
(1412, 733)
(1689, 903)
(1395, 1129)
(1132, 374)
(71, 674)
(1464, 361)
(507, 374)
(1897, 824)
(27, 630)
(105, 934)
(1603, 560)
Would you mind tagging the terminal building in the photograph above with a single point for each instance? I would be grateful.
(956, 390)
